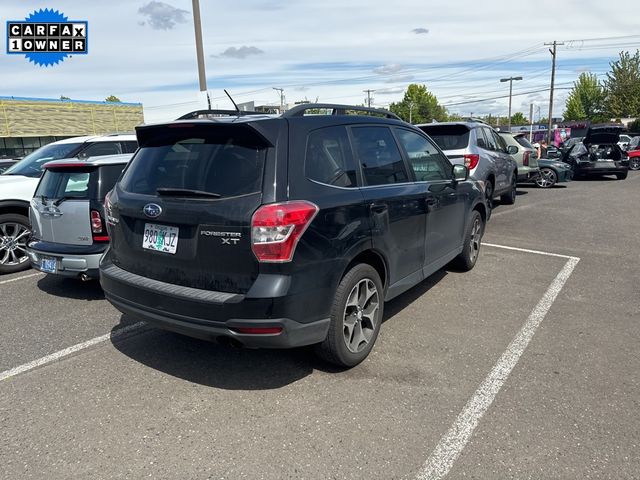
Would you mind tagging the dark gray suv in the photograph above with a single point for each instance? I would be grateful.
(288, 230)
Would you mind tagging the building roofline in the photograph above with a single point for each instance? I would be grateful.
(52, 100)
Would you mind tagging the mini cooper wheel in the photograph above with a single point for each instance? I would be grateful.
(547, 179)
(14, 233)
(356, 315)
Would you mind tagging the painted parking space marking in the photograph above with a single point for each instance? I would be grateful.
(439, 463)
(21, 278)
(69, 350)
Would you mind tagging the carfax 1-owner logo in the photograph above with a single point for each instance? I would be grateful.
(47, 37)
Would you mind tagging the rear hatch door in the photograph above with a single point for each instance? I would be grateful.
(182, 212)
(603, 134)
(60, 208)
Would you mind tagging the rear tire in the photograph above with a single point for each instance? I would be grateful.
(488, 194)
(634, 163)
(356, 315)
(472, 240)
(509, 198)
(15, 230)
(622, 176)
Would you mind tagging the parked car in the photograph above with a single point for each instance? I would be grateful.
(5, 163)
(479, 147)
(524, 154)
(68, 226)
(283, 231)
(634, 153)
(623, 142)
(19, 182)
(552, 171)
(599, 153)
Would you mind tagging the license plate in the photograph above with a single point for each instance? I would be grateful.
(160, 238)
(49, 265)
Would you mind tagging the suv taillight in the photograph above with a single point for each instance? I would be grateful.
(97, 228)
(525, 158)
(276, 229)
(471, 160)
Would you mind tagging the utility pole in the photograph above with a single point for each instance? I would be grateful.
(531, 123)
(411, 104)
(553, 78)
(281, 91)
(368, 92)
(197, 24)
(510, 80)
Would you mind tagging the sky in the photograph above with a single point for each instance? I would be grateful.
(329, 50)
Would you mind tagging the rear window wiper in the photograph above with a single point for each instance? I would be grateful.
(186, 192)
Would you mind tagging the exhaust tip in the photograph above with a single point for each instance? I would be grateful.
(85, 278)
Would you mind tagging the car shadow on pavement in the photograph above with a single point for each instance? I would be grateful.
(71, 288)
(220, 366)
(212, 364)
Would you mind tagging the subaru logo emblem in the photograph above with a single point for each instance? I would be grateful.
(152, 210)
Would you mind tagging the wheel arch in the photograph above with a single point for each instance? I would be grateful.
(375, 259)
(18, 207)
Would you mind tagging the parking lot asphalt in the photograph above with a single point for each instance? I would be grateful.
(154, 404)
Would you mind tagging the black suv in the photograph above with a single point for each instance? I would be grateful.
(288, 230)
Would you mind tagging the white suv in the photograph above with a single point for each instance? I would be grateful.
(19, 182)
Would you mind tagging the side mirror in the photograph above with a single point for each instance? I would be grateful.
(460, 173)
(512, 149)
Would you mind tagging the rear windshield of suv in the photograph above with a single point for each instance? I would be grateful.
(221, 163)
(448, 137)
(523, 141)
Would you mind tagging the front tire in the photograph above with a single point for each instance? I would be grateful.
(547, 179)
(356, 315)
(472, 240)
(14, 233)
(634, 163)
(622, 176)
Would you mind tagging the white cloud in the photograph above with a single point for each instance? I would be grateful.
(420, 31)
(389, 69)
(242, 52)
(162, 16)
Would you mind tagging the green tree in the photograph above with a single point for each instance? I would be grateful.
(419, 106)
(634, 126)
(62, 97)
(586, 100)
(622, 86)
(518, 118)
(112, 98)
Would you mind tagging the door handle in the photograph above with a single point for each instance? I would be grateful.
(378, 207)
(432, 204)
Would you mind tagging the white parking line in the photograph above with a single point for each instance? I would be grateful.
(526, 250)
(20, 278)
(453, 442)
(68, 351)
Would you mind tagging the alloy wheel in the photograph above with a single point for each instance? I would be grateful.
(634, 163)
(488, 192)
(13, 244)
(476, 237)
(360, 316)
(547, 178)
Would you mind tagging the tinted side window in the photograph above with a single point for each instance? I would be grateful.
(328, 159)
(379, 156)
(481, 141)
(129, 146)
(491, 141)
(425, 160)
(500, 142)
(109, 175)
(99, 149)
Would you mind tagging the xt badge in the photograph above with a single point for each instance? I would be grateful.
(227, 238)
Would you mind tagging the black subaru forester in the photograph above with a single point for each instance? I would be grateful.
(287, 230)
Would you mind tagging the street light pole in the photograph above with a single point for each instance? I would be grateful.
(197, 24)
(510, 80)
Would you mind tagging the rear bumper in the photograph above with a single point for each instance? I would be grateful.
(613, 170)
(210, 315)
(69, 263)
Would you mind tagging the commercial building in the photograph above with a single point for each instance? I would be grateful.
(28, 123)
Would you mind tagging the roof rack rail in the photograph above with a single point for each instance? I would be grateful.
(220, 113)
(477, 120)
(299, 110)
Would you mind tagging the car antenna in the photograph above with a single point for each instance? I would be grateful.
(234, 103)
